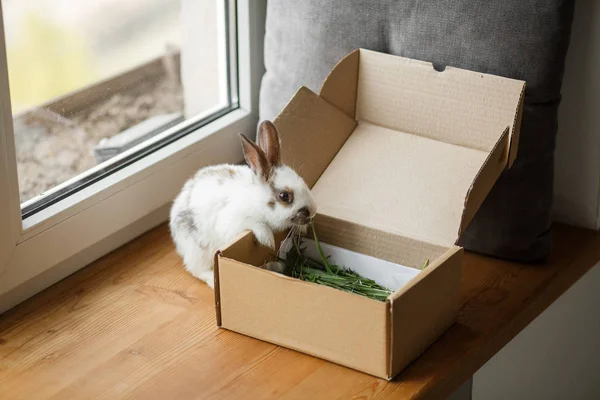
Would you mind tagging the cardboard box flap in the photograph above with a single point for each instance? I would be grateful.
(340, 86)
(457, 106)
(312, 131)
(484, 180)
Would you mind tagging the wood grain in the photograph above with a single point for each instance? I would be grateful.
(135, 325)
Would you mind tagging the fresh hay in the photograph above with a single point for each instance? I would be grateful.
(323, 272)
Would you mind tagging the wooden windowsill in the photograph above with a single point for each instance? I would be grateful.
(135, 324)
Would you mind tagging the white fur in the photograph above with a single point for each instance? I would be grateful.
(223, 207)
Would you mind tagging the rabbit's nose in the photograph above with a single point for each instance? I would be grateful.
(304, 212)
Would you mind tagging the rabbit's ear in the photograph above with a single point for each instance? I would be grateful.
(268, 140)
(256, 158)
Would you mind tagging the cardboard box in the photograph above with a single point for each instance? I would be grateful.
(399, 157)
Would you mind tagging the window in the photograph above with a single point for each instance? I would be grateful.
(90, 80)
(114, 105)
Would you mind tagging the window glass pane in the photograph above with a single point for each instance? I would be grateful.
(90, 80)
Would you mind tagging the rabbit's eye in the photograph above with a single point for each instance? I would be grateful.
(285, 197)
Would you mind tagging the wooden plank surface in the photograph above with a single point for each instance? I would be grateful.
(135, 325)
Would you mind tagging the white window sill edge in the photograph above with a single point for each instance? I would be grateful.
(92, 216)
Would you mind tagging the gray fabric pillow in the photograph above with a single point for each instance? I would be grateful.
(519, 39)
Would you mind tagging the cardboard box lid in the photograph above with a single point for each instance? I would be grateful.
(393, 144)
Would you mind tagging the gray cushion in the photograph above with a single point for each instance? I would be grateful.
(514, 38)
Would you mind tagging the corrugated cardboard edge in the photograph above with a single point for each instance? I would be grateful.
(516, 130)
(485, 179)
(217, 290)
(340, 87)
(389, 340)
(445, 273)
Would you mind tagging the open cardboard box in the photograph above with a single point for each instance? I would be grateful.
(399, 157)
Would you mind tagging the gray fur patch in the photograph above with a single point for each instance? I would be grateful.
(185, 221)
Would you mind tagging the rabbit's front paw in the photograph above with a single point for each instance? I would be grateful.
(264, 236)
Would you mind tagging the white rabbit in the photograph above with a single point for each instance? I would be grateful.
(222, 201)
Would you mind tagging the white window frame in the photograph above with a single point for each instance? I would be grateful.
(131, 200)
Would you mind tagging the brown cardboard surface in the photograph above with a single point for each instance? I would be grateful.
(485, 180)
(344, 328)
(217, 288)
(311, 131)
(399, 183)
(455, 106)
(340, 86)
(424, 309)
(247, 250)
(514, 140)
(375, 243)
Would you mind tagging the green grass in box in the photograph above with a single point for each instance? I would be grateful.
(298, 265)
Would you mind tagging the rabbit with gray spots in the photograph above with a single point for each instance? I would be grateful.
(220, 202)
